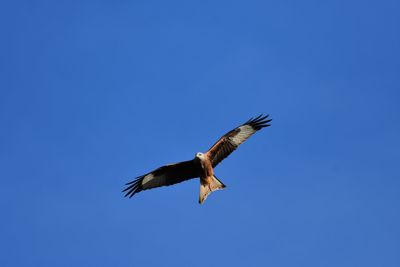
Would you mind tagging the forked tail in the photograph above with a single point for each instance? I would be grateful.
(209, 185)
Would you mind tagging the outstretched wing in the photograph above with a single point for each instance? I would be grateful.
(231, 140)
(165, 175)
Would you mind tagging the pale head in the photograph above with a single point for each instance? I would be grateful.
(199, 155)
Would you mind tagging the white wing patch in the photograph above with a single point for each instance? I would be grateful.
(245, 132)
(147, 178)
(151, 181)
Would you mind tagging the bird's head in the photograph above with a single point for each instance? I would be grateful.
(199, 155)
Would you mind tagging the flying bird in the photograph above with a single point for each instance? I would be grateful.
(203, 164)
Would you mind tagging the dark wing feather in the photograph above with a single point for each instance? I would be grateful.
(165, 175)
(231, 140)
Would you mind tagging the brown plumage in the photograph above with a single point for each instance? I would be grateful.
(202, 165)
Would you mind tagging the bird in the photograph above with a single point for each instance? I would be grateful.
(202, 165)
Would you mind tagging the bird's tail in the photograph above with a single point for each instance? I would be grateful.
(209, 185)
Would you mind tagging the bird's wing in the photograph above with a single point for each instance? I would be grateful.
(231, 140)
(165, 175)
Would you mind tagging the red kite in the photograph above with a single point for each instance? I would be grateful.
(202, 165)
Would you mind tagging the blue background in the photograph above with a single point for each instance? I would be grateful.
(95, 93)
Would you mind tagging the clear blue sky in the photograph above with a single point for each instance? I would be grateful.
(95, 93)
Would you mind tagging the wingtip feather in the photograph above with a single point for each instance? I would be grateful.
(259, 122)
(133, 187)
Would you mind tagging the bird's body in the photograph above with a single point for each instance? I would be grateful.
(208, 181)
(201, 166)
